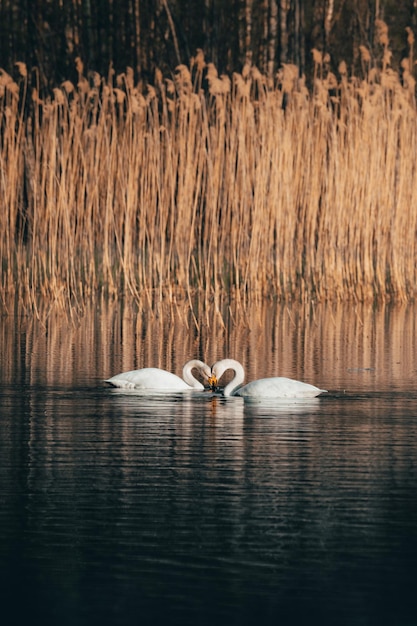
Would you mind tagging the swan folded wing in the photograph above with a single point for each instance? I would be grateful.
(148, 378)
(278, 387)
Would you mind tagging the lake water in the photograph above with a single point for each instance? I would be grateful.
(120, 509)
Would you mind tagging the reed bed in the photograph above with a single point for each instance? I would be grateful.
(209, 187)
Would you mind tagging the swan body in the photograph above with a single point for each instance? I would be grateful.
(155, 379)
(277, 387)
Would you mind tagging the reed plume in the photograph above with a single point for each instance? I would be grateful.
(201, 184)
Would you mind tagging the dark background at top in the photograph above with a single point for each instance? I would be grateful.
(145, 34)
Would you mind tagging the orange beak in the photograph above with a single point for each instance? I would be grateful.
(213, 381)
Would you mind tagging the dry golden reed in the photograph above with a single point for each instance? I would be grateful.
(210, 185)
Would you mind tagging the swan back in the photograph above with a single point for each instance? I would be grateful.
(151, 378)
(278, 387)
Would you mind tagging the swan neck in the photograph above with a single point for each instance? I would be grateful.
(188, 376)
(237, 380)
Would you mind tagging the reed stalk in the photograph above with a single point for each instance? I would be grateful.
(236, 190)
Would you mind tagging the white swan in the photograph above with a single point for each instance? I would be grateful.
(155, 379)
(277, 387)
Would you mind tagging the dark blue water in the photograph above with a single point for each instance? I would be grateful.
(117, 509)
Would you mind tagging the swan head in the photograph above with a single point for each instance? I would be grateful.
(205, 373)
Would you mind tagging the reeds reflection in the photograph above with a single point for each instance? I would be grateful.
(336, 347)
(201, 509)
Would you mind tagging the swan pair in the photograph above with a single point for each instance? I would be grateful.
(155, 379)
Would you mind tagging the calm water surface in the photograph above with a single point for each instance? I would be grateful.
(193, 509)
